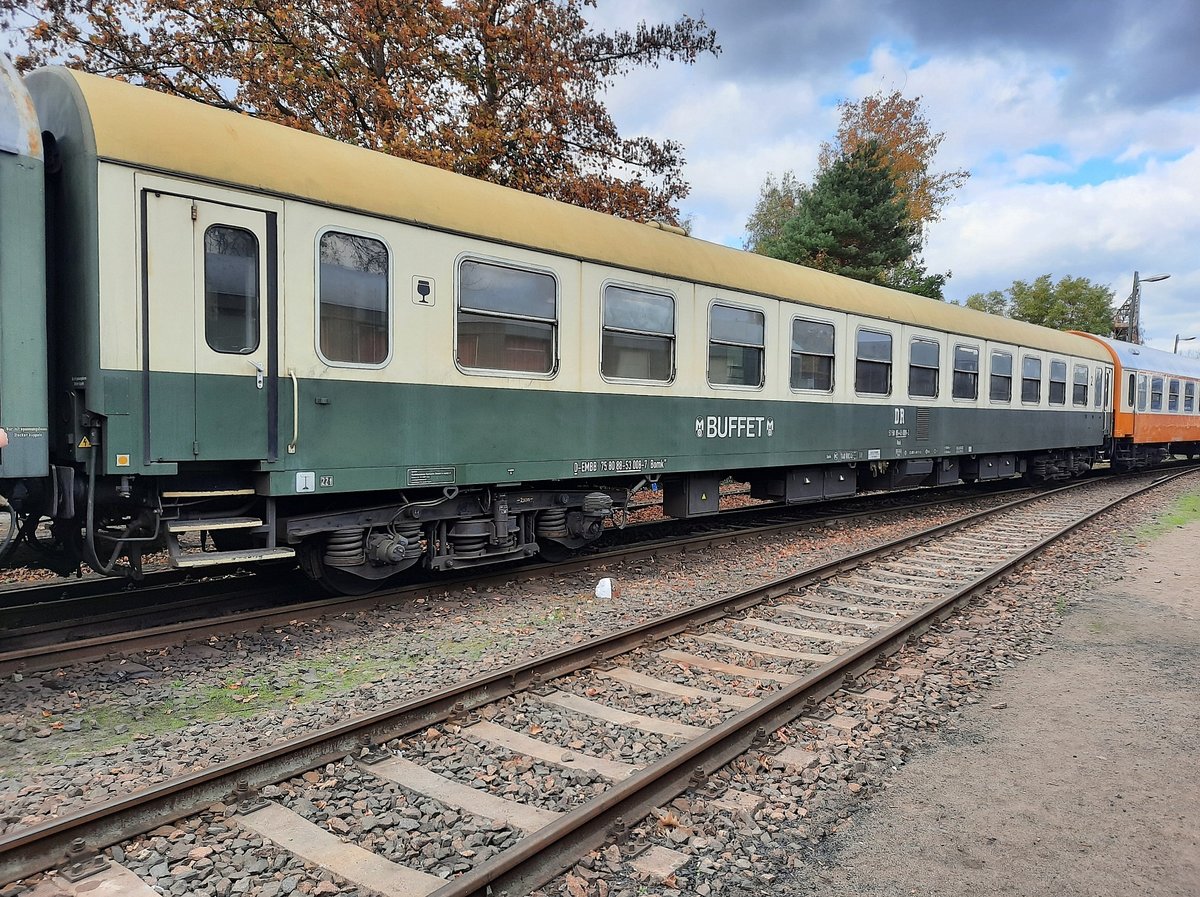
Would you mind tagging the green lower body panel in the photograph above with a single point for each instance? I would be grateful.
(367, 436)
(363, 436)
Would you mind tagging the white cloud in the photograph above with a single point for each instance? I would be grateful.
(1104, 232)
(1024, 112)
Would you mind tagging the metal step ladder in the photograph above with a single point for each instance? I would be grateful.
(198, 523)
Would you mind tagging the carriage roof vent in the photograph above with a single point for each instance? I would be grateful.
(669, 228)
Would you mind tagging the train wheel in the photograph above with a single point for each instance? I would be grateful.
(555, 552)
(339, 582)
(333, 580)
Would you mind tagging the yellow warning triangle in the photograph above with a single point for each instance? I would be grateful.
(85, 443)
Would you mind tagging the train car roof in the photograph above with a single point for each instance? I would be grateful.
(1144, 358)
(19, 131)
(152, 130)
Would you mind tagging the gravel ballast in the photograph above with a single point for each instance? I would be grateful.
(939, 685)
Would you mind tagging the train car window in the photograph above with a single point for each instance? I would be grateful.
(1058, 383)
(507, 318)
(1156, 393)
(966, 372)
(1189, 397)
(1143, 389)
(638, 341)
(1031, 379)
(1107, 402)
(812, 355)
(352, 296)
(1000, 388)
(873, 368)
(1173, 397)
(1097, 388)
(923, 368)
(736, 341)
(230, 289)
(1079, 391)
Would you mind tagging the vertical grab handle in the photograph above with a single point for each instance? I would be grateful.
(295, 412)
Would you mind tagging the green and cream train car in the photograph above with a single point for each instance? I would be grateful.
(302, 347)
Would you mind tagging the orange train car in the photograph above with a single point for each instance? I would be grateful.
(1156, 404)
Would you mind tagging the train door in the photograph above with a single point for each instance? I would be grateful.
(1108, 403)
(209, 279)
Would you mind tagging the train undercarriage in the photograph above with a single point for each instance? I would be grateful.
(215, 517)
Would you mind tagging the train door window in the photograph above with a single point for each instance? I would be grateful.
(638, 341)
(1107, 403)
(1031, 379)
(1189, 397)
(1000, 388)
(873, 367)
(1143, 391)
(1058, 383)
(507, 318)
(923, 368)
(966, 372)
(812, 355)
(736, 346)
(353, 299)
(230, 290)
(1098, 388)
(1079, 391)
(1156, 393)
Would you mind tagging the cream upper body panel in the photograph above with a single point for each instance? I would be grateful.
(153, 131)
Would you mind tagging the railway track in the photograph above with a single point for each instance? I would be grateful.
(757, 661)
(52, 630)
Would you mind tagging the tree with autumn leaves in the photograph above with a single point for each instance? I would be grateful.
(898, 125)
(510, 91)
(865, 214)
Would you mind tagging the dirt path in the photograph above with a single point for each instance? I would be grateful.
(1079, 776)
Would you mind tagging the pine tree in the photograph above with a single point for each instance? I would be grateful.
(852, 222)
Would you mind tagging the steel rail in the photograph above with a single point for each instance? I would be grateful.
(46, 845)
(57, 649)
(545, 854)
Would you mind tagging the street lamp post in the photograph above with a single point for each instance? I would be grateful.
(1128, 320)
(1180, 339)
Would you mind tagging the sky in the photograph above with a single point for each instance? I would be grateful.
(1079, 121)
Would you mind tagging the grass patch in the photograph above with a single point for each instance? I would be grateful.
(1185, 510)
(293, 683)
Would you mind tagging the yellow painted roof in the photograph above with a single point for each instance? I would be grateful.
(150, 129)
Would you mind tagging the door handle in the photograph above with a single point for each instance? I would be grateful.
(295, 412)
(258, 368)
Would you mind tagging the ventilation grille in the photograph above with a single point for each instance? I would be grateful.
(924, 418)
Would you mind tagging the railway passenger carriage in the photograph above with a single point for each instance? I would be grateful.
(298, 346)
(1156, 404)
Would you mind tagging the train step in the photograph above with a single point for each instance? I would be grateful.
(212, 523)
(206, 493)
(212, 558)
